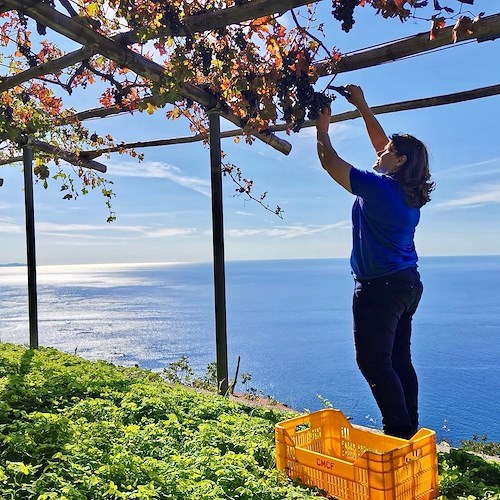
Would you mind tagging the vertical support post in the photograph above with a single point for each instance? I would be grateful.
(30, 245)
(218, 251)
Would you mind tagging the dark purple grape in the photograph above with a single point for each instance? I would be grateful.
(343, 10)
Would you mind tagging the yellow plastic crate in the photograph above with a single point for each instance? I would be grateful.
(323, 449)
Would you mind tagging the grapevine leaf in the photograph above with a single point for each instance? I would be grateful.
(437, 24)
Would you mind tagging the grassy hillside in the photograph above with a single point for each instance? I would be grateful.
(75, 429)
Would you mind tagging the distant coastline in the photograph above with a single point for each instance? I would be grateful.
(13, 264)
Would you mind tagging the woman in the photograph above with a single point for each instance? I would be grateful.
(383, 260)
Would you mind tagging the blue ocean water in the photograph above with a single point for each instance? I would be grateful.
(290, 321)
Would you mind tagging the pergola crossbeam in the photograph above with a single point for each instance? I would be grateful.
(240, 13)
(76, 160)
(487, 28)
(50, 67)
(427, 102)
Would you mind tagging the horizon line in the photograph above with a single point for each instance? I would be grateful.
(173, 263)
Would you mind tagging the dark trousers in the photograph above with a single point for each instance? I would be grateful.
(383, 309)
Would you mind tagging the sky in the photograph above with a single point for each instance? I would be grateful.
(163, 204)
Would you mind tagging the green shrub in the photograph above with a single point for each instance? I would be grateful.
(463, 475)
(75, 429)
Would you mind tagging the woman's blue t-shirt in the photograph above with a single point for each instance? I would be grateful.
(383, 226)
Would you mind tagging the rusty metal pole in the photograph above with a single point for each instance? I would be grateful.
(218, 251)
(30, 245)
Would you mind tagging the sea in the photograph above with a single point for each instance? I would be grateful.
(288, 321)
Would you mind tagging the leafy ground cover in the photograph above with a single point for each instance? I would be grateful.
(75, 429)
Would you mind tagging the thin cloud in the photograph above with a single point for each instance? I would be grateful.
(11, 228)
(87, 231)
(471, 169)
(75, 236)
(293, 231)
(47, 227)
(171, 232)
(486, 196)
(159, 170)
(142, 215)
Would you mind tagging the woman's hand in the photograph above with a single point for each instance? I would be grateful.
(356, 96)
(323, 121)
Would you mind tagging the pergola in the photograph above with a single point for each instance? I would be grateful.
(117, 49)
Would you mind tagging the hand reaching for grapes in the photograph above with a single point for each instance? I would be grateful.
(323, 120)
(355, 95)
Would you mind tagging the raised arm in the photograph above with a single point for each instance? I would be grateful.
(375, 131)
(338, 168)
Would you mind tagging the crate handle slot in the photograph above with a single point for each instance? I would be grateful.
(302, 427)
(414, 455)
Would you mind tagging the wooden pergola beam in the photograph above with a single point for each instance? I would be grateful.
(240, 13)
(124, 57)
(487, 28)
(76, 160)
(50, 67)
(427, 102)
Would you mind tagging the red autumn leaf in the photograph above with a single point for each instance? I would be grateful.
(301, 64)
(281, 32)
(438, 23)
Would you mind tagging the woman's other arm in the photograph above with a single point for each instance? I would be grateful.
(375, 131)
(338, 168)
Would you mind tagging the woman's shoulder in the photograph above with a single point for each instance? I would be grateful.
(372, 180)
(381, 189)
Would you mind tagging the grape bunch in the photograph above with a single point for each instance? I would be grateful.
(23, 20)
(239, 40)
(26, 52)
(297, 95)
(171, 20)
(317, 103)
(205, 53)
(343, 10)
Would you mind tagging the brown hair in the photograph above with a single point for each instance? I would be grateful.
(413, 176)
